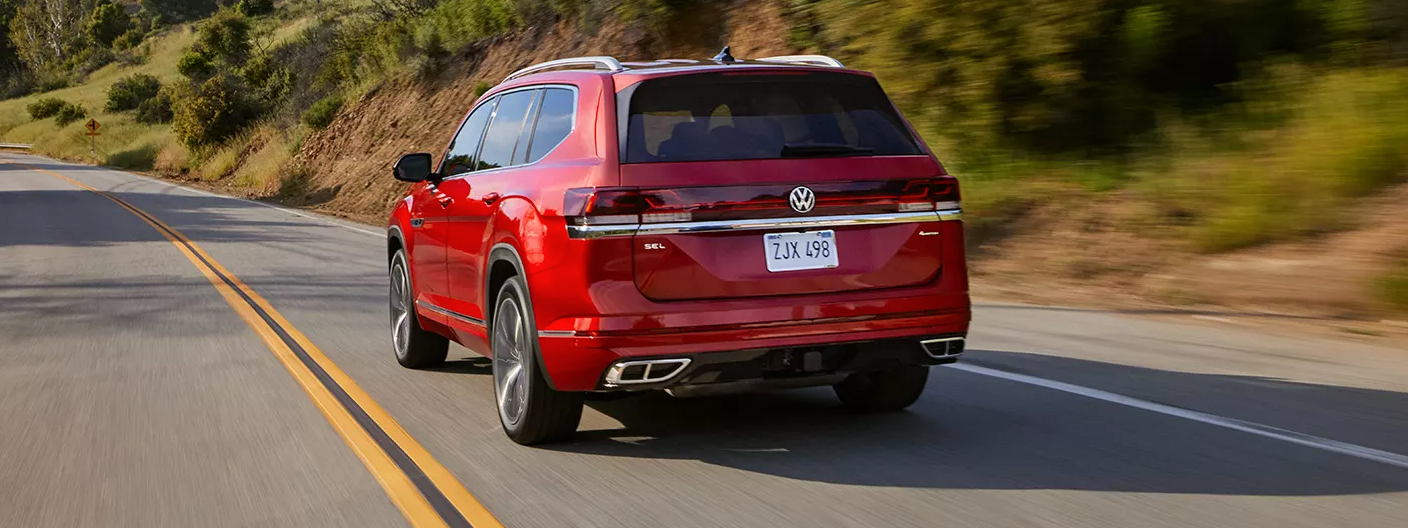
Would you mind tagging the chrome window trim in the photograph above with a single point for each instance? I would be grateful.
(619, 230)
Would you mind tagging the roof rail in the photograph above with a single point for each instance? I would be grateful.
(597, 63)
(818, 60)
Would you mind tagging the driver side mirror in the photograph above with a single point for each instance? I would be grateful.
(414, 168)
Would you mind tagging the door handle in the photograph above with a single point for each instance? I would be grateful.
(490, 198)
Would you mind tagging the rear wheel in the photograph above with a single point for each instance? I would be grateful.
(888, 390)
(530, 410)
(415, 347)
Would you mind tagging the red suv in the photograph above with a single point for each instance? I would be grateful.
(699, 227)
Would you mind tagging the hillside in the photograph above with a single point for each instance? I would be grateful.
(1087, 182)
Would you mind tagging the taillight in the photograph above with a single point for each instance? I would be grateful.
(602, 206)
(622, 206)
(930, 195)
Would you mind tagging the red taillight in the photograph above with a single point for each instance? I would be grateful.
(930, 195)
(602, 206)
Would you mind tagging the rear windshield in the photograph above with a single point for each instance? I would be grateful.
(739, 116)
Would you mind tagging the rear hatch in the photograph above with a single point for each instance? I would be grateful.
(777, 182)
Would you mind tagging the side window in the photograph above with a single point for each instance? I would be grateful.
(504, 129)
(459, 159)
(558, 109)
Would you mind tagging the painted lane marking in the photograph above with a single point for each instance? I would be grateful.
(1276, 433)
(423, 489)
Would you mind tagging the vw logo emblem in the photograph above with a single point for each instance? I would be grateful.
(802, 199)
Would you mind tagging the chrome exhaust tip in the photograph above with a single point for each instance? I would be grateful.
(943, 348)
(645, 371)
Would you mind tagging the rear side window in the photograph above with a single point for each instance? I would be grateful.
(505, 129)
(722, 116)
(554, 122)
(459, 159)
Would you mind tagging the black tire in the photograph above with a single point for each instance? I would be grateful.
(888, 390)
(542, 414)
(414, 346)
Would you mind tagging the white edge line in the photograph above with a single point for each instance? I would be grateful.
(1325, 444)
(311, 216)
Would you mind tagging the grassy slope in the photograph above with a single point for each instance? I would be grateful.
(121, 137)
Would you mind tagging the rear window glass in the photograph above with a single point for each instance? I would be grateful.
(733, 117)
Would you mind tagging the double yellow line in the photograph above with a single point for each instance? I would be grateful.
(425, 491)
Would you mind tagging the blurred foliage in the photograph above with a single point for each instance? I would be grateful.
(322, 113)
(68, 113)
(130, 92)
(1393, 287)
(170, 11)
(107, 22)
(224, 36)
(45, 107)
(253, 8)
(156, 110)
(195, 67)
(1246, 121)
(213, 111)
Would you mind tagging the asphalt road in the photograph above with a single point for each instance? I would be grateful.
(132, 394)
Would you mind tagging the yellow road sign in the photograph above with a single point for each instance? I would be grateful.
(93, 125)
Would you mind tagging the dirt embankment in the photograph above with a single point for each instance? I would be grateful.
(1086, 254)
(1095, 254)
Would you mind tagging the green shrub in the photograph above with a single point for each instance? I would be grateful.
(106, 24)
(195, 67)
(253, 8)
(129, 93)
(216, 110)
(70, 113)
(46, 107)
(322, 113)
(226, 36)
(155, 110)
(129, 40)
(1393, 287)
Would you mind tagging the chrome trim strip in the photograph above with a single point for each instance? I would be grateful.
(557, 333)
(602, 231)
(456, 315)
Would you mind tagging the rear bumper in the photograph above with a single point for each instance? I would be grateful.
(578, 361)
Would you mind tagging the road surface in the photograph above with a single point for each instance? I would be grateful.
(140, 387)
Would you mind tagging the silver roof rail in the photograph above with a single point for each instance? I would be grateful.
(818, 60)
(597, 63)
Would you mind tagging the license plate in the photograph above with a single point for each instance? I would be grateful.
(800, 251)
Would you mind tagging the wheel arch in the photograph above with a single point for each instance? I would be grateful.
(395, 241)
(503, 263)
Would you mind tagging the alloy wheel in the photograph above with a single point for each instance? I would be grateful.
(510, 377)
(400, 307)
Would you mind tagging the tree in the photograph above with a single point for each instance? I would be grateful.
(226, 36)
(107, 22)
(9, 58)
(45, 32)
